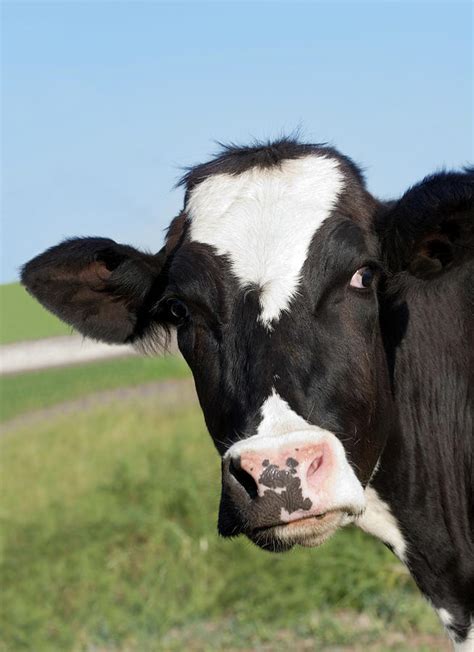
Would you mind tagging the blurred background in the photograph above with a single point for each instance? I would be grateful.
(109, 480)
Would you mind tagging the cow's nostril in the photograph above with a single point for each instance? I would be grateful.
(243, 478)
(314, 466)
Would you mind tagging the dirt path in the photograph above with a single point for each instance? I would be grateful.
(164, 393)
(56, 352)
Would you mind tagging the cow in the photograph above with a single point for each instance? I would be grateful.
(330, 336)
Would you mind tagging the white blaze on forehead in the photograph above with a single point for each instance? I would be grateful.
(264, 220)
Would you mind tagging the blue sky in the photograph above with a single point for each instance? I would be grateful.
(104, 101)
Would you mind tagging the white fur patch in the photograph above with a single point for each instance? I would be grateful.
(468, 644)
(379, 521)
(462, 646)
(279, 419)
(282, 428)
(264, 221)
(445, 617)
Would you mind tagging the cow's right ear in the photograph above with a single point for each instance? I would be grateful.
(101, 288)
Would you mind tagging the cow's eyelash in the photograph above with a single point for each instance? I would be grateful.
(375, 265)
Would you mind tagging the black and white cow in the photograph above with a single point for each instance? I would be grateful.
(331, 340)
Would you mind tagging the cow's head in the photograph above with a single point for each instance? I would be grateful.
(272, 276)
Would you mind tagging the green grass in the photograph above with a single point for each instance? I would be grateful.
(26, 392)
(109, 543)
(23, 318)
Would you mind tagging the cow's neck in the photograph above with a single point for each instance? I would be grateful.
(421, 497)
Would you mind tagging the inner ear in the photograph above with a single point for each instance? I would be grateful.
(444, 247)
(432, 255)
(110, 259)
(95, 275)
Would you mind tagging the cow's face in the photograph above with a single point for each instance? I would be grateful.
(273, 292)
(270, 278)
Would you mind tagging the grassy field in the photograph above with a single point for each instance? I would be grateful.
(22, 318)
(26, 392)
(109, 544)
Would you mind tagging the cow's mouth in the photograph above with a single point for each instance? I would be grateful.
(308, 531)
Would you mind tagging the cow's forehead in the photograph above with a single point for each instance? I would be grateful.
(264, 219)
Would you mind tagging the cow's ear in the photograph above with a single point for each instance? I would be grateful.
(101, 288)
(431, 228)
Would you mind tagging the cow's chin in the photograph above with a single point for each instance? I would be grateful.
(309, 532)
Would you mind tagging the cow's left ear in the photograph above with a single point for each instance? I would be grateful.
(431, 228)
(103, 289)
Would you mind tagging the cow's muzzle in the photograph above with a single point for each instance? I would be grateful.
(294, 489)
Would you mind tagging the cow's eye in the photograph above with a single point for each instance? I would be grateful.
(363, 278)
(176, 310)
